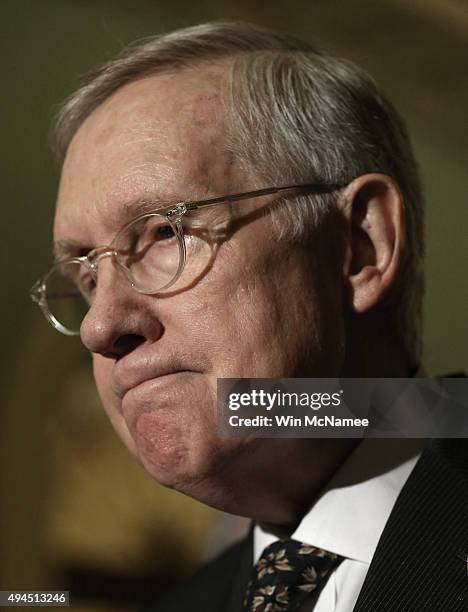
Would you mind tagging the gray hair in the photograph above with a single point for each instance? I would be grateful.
(296, 115)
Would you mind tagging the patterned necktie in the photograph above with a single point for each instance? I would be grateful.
(287, 573)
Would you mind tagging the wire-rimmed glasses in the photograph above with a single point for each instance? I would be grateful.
(150, 252)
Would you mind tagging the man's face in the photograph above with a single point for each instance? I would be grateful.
(266, 307)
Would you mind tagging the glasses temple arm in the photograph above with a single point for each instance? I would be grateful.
(286, 190)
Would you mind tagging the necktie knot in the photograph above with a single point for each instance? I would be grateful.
(287, 573)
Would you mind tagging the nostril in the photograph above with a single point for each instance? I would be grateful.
(126, 343)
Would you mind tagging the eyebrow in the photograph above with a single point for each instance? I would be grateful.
(140, 206)
(63, 249)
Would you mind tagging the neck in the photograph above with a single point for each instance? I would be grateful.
(302, 487)
(277, 480)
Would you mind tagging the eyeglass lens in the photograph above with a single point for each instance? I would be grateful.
(149, 253)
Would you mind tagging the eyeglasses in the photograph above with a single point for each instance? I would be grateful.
(151, 252)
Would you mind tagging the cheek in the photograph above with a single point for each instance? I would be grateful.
(234, 323)
(260, 326)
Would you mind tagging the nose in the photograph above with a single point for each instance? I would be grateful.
(119, 319)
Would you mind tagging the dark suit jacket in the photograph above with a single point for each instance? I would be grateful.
(420, 564)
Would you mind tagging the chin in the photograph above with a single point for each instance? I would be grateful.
(172, 422)
(162, 448)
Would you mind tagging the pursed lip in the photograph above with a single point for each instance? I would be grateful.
(128, 374)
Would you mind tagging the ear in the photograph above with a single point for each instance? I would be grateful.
(374, 208)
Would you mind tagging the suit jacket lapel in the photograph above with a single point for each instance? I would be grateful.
(421, 560)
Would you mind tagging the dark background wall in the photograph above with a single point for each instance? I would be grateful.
(416, 49)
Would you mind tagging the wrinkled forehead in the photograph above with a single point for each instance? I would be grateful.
(162, 137)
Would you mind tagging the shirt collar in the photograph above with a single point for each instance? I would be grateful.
(350, 514)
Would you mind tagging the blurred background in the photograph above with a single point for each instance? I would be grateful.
(76, 511)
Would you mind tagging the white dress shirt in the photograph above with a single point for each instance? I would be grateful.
(350, 514)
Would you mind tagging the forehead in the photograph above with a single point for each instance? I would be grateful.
(161, 138)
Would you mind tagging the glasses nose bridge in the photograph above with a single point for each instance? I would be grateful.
(99, 253)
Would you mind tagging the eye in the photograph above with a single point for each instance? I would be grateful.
(87, 287)
(164, 232)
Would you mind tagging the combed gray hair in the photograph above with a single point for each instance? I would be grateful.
(296, 115)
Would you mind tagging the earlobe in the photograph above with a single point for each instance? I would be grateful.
(374, 208)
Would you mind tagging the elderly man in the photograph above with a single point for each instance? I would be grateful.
(235, 203)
